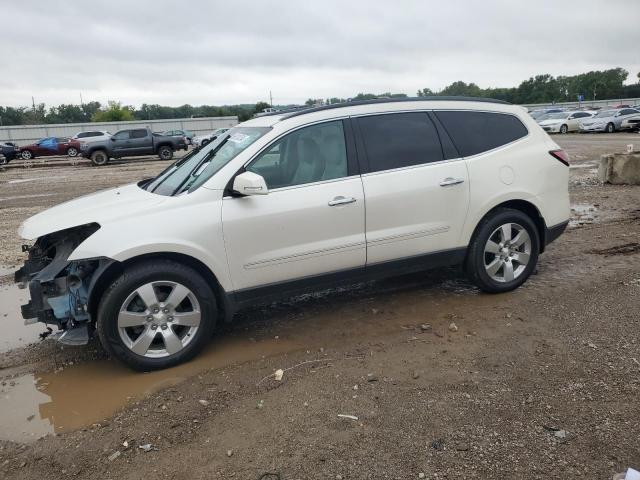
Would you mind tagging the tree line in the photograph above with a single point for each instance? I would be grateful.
(594, 85)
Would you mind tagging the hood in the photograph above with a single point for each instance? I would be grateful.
(99, 207)
(551, 121)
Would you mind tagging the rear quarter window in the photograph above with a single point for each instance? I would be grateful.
(477, 132)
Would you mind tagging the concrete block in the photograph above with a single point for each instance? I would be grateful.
(620, 168)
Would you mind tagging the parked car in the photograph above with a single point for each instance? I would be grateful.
(202, 140)
(49, 146)
(536, 114)
(563, 122)
(607, 120)
(188, 135)
(298, 202)
(8, 151)
(92, 136)
(132, 143)
(632, 122)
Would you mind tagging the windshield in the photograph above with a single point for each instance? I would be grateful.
(606, 113)
(197, 167)
(556, 116)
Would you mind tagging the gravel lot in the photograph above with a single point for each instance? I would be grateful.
(538, 383)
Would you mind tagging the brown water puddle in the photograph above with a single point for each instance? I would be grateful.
(14, 332)
(35, 405)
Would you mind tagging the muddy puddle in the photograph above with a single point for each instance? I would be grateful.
(86, 393)
(37, 404)
(14, 332)
(583, 214)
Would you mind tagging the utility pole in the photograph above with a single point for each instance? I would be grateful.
(33, 104)
(270, 98)
(81, 102)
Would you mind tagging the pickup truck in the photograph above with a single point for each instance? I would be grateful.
(132, 143)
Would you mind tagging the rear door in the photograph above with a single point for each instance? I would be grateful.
(417, 192)
(141, 142)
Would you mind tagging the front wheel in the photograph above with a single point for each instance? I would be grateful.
(156, 315)
(99, 158)
(72, 152)
(564, 129)
(26, 155)
(503, 251)
(610, 128)
(165, 153)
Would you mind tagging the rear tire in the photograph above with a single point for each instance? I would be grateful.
(610, 128)
(26, 154)
(99, 158)
(165, 153)
(204, 142)
(145, 330)
(503, 251)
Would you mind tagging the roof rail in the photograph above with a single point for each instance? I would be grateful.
(432, 98)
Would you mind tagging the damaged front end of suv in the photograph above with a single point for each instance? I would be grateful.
(59, 288)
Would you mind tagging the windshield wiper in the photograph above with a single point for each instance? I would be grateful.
(206, 158)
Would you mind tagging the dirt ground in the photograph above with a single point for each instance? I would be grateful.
(539, 383)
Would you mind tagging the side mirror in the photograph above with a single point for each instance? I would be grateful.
(112, 139)
(249, 183)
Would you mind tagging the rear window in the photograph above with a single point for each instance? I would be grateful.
(399, 140)
(477, 132)
(141, 133)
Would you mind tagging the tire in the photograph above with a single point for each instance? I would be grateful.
(564, 129)
(165, 152)
(26, 154)
(72, 152)
(3, 160)
(99, 158)
(143, 347)
(204, 142)
(610, 128)
(483, 257)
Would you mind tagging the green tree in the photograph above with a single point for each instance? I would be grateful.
(114, 112)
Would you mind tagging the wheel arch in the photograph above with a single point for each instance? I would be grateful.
(525, 207)
(115, 268)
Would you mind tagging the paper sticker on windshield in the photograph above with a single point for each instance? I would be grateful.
(238, 137)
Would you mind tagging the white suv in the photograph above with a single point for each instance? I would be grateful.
(293, 202)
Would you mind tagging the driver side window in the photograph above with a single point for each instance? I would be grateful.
(124, 135)
(310, 154)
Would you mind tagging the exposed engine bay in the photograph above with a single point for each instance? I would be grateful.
(59, 288)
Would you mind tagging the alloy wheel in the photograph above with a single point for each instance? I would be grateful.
(507, 252)
(159, 319)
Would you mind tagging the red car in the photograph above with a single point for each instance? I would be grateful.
(50, 146)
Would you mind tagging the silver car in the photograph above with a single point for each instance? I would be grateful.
(608, 120)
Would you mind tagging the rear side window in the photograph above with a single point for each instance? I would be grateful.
(399, 140)
(477, 132)
(138, 133)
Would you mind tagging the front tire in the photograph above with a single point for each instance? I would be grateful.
(564, 129)
(99, 158)
(26, 154)
(156, 315)
(72, 152)
(204, 142)
(165, 153)
(610, 128)
(503, 251)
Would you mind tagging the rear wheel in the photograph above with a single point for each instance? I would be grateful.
(564, 129)
(504, 251)
(165, 152)
(26, 154)
(204, 142)
(610, 128)
(99, 158)
(156, 315)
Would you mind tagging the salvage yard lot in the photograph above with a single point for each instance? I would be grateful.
(542, 382)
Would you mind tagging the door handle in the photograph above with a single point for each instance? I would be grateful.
(340, 200)
(447, 182)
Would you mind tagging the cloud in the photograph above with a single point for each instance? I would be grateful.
(204, 52)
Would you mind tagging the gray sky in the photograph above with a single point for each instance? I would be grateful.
(235, 51)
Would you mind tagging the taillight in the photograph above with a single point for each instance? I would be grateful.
(560, 155)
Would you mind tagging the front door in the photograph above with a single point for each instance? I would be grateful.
(121, 143)
(312, 220)
(417, 192)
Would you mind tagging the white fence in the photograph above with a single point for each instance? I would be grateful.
(25, 134)
(586, 103)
